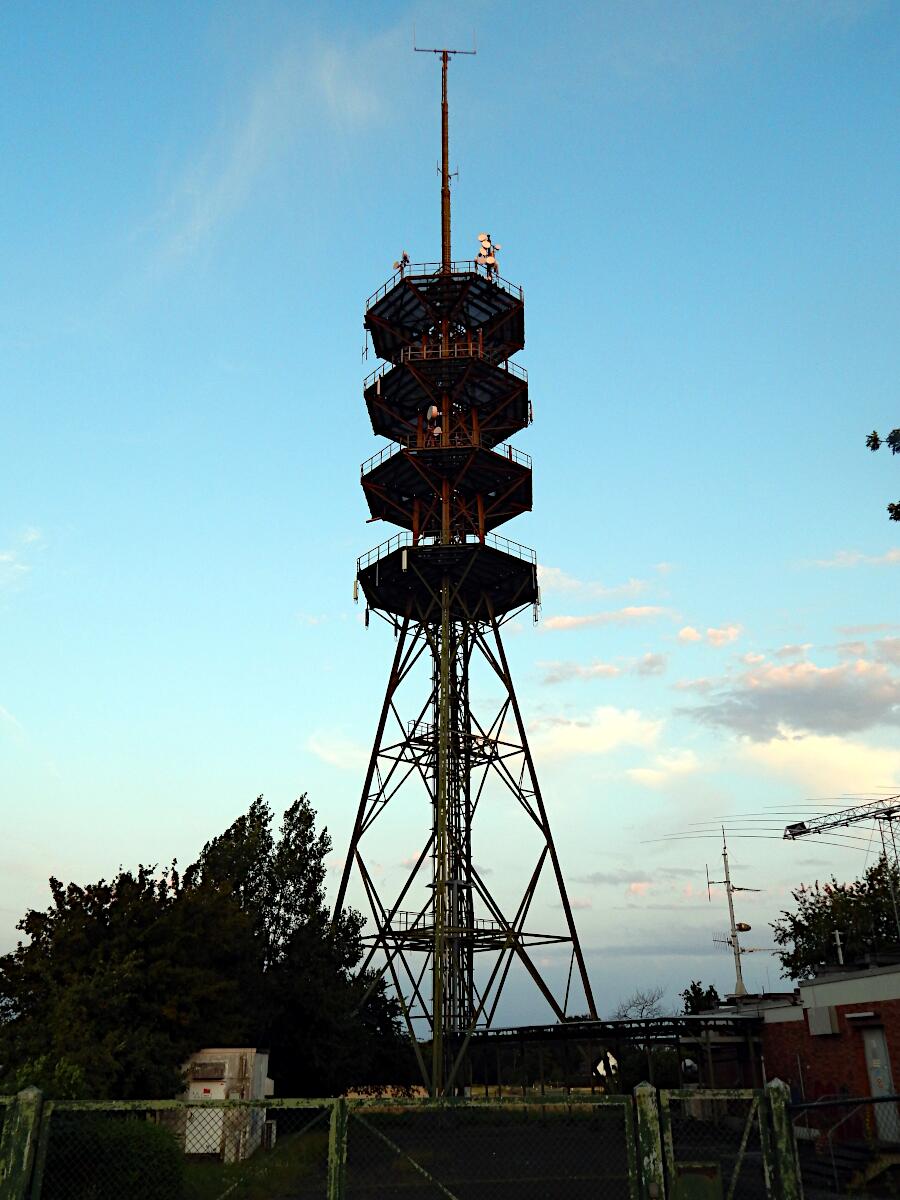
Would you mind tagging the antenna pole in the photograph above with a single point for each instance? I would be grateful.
(446, 257)
(739, 989)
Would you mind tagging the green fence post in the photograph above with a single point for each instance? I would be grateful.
(649, 1140)
(337, 1149)
(785, 1151)
(21, 1127)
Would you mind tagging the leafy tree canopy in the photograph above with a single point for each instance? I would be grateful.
(697, 998)
(862, 912)
(116, 983)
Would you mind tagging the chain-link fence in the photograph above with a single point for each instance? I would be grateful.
(727, 1145)
(717, 1143)
(848, 1146)
(175, 1151)
(506, 1149)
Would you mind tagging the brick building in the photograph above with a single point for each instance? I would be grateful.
(839, 1034)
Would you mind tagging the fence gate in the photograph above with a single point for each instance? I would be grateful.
(848, 1146)
(483, 1150)
(717, 1144)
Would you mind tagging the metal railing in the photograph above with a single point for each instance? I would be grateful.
(842, 1156)
(465, 266)
(404, 921)
(504, 450)
(430, 541)
(459, 350)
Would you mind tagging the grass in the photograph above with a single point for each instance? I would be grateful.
(296, 1165)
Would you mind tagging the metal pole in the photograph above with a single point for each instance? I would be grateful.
(739, 989)
(890, 877)
(445, 168)
(440, 865)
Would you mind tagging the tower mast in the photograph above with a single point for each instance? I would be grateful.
(446, 256)
(448, 396)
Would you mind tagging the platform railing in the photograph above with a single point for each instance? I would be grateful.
(504, 450)
(457, 350)
(429, 541)
(465, 266)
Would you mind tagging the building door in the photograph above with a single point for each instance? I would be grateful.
(881, 1083)
(205, 1126)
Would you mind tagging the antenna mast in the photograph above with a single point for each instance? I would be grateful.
(446, 255)
(739, 988)
(737, 927)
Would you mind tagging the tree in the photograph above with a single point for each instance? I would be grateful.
(698, 999)
(326, 1025)
(863, 912)
(642, 1003)
(892, 441)
(116, 984)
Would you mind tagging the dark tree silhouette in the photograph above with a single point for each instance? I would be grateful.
(698, 999)
(892, 441)
(864, 912)
(116, 984)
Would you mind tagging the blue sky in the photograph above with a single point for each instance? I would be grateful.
(700, 201)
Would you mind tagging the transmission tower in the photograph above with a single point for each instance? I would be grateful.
(884, 811)
(447, 396)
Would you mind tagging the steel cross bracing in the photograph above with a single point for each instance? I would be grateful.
(446, 940)
(885, 809)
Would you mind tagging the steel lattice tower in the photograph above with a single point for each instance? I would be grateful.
(447, 397)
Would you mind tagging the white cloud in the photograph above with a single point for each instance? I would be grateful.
(703, 684)
(826, 764)
(9, 722)
(559, 672)
(794, 650)
(666, 767)
(12, 569)
(554, 579)
(715, 637)
(621, 616)
(888, 650)
(803, 696)
(305, 618)
(314, 87)
(606, 729)
(855, 558)
(855, 630)
(651, 664)
(724, 636)
(338, 750)
(31, 535)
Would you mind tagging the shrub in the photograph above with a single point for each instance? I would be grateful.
(102, 1156)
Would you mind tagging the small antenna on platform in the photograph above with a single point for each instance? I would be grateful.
(445, 53)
